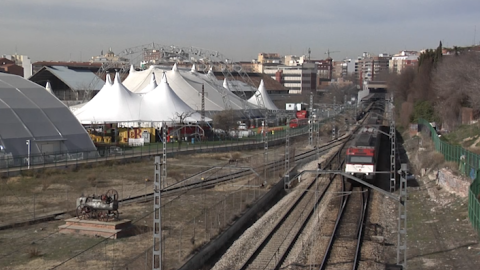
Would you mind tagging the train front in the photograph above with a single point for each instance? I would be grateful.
(360, 162)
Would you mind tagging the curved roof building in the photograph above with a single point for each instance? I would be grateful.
(29, 113)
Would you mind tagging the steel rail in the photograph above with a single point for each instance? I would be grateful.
(360, 229)
(284, 218)
(343, 203)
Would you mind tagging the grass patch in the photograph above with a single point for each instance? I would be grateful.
(463, 132)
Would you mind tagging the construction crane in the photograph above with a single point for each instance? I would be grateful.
(328, 52)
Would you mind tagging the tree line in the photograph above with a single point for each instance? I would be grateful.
(438, 87)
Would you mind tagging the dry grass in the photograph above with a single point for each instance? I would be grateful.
(34, 253)
(219, 156)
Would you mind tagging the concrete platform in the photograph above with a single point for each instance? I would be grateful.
(110, 229)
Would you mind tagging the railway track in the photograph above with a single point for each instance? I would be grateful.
(344, 246)
(209, 182)
(273, 249)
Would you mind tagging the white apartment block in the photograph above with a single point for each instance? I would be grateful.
(402, 60)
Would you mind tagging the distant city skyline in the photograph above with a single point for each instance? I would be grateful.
(76, 31)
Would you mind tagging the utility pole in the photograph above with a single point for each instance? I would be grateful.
(310, 121)
(392, 145)
(203, 104)
(287, 153)
(265, 148)
(29, 148)
(164, 154)
(402, 218)
(157, 221)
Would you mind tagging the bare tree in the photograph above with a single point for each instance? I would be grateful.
(225, 120)
(400, 84)
(181, 120)
(457, 84)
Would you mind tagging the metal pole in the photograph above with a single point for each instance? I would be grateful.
(402, 218)
(265, 148)
(310, 122)
(164, 155)
(392, 146)
(287, 155)
(203, 104)
(28, 154)
(157, 221)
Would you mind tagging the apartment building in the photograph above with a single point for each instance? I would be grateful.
(402, 60)
(371, 68)
(297, 79)
(9, 66)
(22, 61)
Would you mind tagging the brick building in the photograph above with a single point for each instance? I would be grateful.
(9, 66)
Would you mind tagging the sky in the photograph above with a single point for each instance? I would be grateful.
(78, 30)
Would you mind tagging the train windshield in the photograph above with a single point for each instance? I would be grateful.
(360, 159)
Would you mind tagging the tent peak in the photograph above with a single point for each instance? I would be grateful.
(164, 78)
(48, 87)
(210, 71)
(117, 78)
(108, 79)
(153, 81)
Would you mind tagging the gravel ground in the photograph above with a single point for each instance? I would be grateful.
(439, 234)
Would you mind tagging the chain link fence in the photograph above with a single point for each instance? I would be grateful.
(469, 164)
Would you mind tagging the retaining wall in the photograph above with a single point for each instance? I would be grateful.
(454, 183)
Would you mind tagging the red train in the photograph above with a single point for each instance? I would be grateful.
(361, 160)
(295, 123)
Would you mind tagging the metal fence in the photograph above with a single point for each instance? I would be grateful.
(468, 165)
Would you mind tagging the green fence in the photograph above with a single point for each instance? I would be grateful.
(474, 205)
(468, 165)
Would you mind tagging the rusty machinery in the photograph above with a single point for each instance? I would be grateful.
(103, 207)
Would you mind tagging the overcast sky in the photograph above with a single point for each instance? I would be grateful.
(77, 30)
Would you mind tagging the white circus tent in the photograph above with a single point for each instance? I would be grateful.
(163, 105)
(187, 84)
(152, 85)
(262, 96)
(112, 104)
(116, 104)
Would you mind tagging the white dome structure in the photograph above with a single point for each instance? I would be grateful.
(29, 113)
